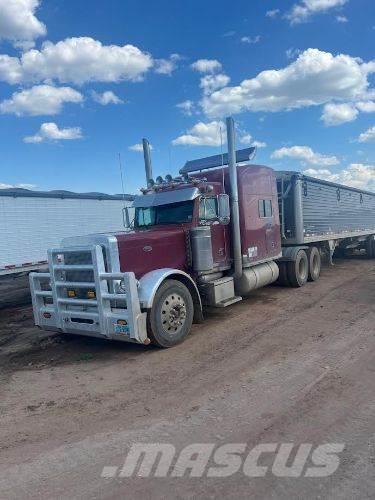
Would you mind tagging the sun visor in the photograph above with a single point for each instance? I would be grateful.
(165, 197)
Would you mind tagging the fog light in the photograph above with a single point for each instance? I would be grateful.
(91, 294)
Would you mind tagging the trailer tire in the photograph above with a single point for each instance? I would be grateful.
(171, 315)
(370, 247)
(298, 270)
(315, 263)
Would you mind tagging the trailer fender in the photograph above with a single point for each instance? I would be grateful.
(290, 253)
(150, 282)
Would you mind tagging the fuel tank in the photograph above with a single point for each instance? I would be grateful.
(257, 277)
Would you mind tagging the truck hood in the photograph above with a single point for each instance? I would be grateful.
(142, 251)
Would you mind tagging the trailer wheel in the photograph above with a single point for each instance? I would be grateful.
(171, 315)
(315, 263)
(370, 247)
(298, 270)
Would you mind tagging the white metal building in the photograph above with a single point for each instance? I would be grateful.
(33, 221)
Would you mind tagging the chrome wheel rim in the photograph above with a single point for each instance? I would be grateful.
(173, 313)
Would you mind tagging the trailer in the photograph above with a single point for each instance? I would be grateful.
(33, 221)
(206, 238)
(318, 217)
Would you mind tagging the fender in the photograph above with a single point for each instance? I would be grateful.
(290, 253)
(150, 282)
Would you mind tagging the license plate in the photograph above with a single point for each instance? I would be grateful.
(122, 329)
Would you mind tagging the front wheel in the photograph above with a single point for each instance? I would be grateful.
(171, 316)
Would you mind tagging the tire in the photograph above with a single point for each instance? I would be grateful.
(370, 247)
(298, 271)
(171, 315)
(315, 263)
(283, 274)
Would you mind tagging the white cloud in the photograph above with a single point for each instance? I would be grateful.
(76, 60)
(368, 136)
(167, 66)
(210, 83)
(187, 107)
(202, 134)
(356, 175)
(138, 148)
(305, 155)
(292, 53)
(208, 134)
(303, 11)
(19, 186)
(107, 97)
(316, 77)
(206, 65)
(366, 106)
(259, 144)
(51, 132)
(341, 19)
(336, 114)
(322, 173)
(40, 100)
(247, 140)
(250, 40)
(272, 13)
(18, 22)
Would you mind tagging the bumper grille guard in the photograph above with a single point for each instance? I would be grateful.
(54, 310)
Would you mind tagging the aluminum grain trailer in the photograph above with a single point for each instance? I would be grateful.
(33, 221)
(320, 216)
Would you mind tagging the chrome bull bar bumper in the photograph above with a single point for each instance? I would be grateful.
(110, 314)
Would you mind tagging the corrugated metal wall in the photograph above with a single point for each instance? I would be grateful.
(29, 226)
(330, 209)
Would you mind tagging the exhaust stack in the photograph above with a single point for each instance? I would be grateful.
(147, 157)
(236, 231)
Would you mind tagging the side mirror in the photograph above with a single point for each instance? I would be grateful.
(223, 208)
(126, 218)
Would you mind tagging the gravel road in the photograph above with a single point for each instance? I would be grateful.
(284, 366)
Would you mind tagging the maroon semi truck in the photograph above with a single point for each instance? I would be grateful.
(206, 238)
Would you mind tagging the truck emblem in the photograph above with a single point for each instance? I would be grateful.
(147, 248)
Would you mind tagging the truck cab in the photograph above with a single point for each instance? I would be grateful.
(163, 218)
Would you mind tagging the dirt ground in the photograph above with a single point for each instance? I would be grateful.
(284, 366)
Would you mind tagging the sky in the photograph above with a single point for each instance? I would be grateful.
(82, 82)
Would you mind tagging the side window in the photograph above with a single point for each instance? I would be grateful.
(261, 208)
(208, 209)
(265, 208)
(268, 208)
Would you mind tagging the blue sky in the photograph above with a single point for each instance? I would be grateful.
(81, 82)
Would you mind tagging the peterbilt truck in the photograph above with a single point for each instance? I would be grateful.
(206, 238)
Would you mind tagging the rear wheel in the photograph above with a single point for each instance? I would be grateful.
(171, 315)
(370, 247)
(283, 274)
(298, 270)
(315, 263)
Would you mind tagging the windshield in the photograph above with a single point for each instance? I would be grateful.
(173, 213)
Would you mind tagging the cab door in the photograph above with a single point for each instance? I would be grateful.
(208, 216)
